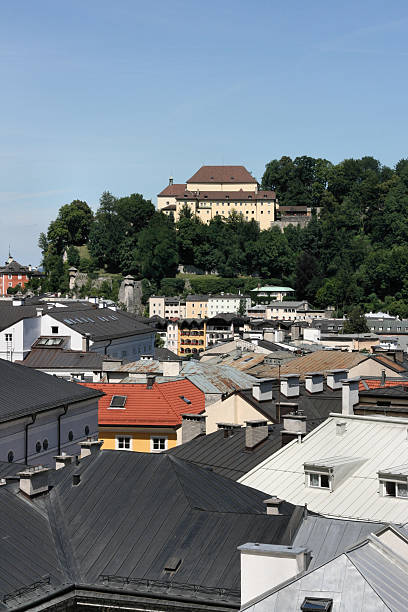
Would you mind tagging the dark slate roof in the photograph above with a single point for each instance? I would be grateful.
(100, 323)
(228, 456)
(131, 514)
(26, 391)
(394, 391)
(9, 470)
(316, 406)
(9, 314)
(59, 359)
(164, 354)
(271, 346)
(13, 267)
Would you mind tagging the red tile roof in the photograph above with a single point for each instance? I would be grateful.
(376, 383)
(173, 190)
(160, 405)
(222, 174)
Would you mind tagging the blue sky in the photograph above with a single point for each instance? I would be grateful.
(120, 95)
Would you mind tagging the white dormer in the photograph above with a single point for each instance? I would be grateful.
(330, 472)
(394, 481)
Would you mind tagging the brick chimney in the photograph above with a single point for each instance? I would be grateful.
(262, 390)
(349, 395)
(192, 425)
(90, 447)
(289, 385)
(229, 428)
(314, 382)
(334, 378)
(34, 480)
(255, 433)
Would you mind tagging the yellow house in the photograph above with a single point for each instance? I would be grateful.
(219, 190)
(196, 306)
(192, 336)
(145, 416)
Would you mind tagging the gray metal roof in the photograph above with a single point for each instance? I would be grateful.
(60, 359)
(217, 378)
(131, 516)
(27, 391)
(10, 315)
(100, 323)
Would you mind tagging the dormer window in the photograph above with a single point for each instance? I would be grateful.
(394, 482)
(319, 481)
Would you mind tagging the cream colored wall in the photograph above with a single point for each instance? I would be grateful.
(140, 437)
(156, 306)
(163, 201)
(262, 212)
(199, 310)
(222, 187)
(234, 409)
(372, 368)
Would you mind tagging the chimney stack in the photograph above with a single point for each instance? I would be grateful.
(273, 505)
(63, 460)
(150, 381)
(314, 382)
(290, 385)
(383, 378)
(34, 480)
(262, 390)
(229, 428)
(192, 425)
(171, 180)
(349, 395)
(90, 447)
(334, 378)
(264, 566)
(255, 433)
(171, 367)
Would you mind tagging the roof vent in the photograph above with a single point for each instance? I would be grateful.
(340, 428)
(172, 564)
(273, 505)
(229, 428)
(63, 460)
(150, 381)
(76, 479)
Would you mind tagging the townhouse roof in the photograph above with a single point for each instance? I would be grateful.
(10, 315)
(371, 575)
(226, 195)
(228, 456)
(58, 358)
(155, 405)
(377, 383)
(320, 361)
(146, 528)
(173, 190)
(273, 288)
(222, 174)
(13, 267)
(25, 391)
(215, 378)
(315, 406)
(375, 443)
(287, 304)
(100, 323)
(197, 298)
(239, 360)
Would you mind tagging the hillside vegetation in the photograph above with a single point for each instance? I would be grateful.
(354, 252)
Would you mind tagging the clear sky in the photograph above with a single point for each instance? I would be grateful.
(118, 95)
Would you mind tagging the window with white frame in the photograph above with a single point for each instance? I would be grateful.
(393, 488)
(123, 443)
(8, 337)
(319, 481)
(158, 444)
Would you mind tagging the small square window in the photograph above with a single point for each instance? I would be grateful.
(8, 337)
(158, 444)
(123, 443)
(54, 330)
(320, 481)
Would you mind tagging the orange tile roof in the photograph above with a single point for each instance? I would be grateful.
(160, 405)
(376, 383)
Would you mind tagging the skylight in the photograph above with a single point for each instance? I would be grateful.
(316, 604)
(118, 401)
(185, 399)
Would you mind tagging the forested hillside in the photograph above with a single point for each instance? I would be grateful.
(354, 251)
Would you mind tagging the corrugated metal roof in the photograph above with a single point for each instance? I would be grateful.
(320, 361)
(380, 441)
(212, 378)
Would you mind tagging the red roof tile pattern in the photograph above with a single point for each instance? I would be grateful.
(377, 384)
(161, 405)
(202, 196)
(173, 190)
(222, 174)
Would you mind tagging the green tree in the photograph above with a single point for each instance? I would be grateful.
(73, 256)
(156, 253)
(356, 322)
